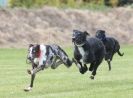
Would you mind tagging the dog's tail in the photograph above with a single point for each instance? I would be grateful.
(117, 48)
(119, 53)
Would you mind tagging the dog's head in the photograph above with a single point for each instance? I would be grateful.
(79, 37)
(100, 34)
(33, 52)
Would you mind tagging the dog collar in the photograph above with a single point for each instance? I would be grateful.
(79, 45)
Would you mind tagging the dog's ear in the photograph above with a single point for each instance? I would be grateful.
(30, 45)
(103, 31)
(86, 33)
(100, 32)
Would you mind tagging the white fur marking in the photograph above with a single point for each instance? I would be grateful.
(78, 65)
(36, 61)
(30, 52)
(43, 54)
(31, 72)
(81, 50)
(28, 88)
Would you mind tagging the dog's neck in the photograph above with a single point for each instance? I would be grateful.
(103, 39)
(81, 45)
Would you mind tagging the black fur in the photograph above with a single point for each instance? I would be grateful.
(112, 46)
(93, 52)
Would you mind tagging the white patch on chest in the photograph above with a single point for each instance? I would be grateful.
(81, 50)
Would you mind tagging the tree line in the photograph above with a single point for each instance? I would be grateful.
(68, 3)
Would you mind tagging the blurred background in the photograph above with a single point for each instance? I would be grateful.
(52, 21)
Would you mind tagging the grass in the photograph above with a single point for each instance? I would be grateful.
(63, 82)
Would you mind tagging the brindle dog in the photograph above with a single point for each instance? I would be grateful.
(44, 56)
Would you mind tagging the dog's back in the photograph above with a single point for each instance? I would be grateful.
(111, 44)
(95, 49)
(61, 54)
(95, 43)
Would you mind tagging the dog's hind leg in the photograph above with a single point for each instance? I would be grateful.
(94, 71)
(97, 63)
(108, 58)
(56, 64)
(109, 64)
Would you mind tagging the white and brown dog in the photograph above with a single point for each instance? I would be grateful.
(44, 56)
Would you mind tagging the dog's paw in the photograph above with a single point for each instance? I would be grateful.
(81, 70)
(92, 77)
(29, 71)
(27, 89)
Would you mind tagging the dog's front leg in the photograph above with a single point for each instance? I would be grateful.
(32, 79)
(35, 70)
(56, 64)
(78, 64)
(82, 69)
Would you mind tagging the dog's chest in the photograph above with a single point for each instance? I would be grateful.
(81, 50)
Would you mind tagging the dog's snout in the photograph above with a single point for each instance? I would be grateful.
(30, 58)
(73, 39)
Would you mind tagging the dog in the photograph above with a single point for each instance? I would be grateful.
(112, 46)
(87, 50)
(44, 56)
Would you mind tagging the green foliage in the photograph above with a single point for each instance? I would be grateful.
(21, 3)
(94, 7)
(112, 3)
(67, 3)
(57, 3)
(71, 3)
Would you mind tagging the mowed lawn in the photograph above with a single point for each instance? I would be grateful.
(66, 82)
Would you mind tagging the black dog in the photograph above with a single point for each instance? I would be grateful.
(44, 56)
(87, 50)
(112, 46)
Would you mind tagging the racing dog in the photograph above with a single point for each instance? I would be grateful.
(87, 50)
(112, 46)
(44, 56)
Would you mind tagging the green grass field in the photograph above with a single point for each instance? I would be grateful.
(66, 82)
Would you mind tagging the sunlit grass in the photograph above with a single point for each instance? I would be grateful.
(66, 82)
